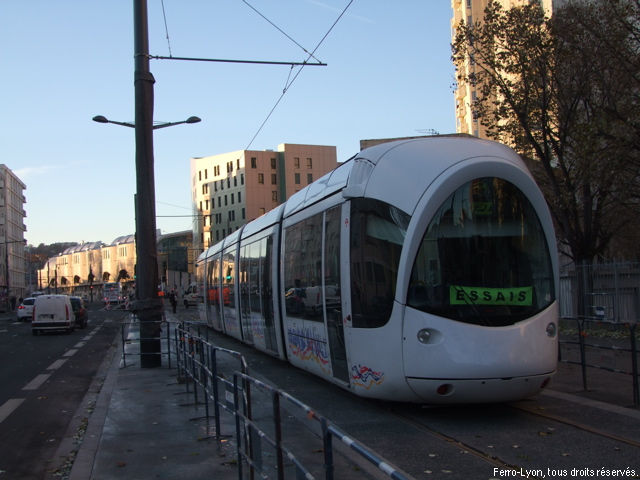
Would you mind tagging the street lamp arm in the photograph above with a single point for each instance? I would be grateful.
(103, 119)
(171, 124)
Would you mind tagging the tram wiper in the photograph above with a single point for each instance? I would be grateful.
(469, 301)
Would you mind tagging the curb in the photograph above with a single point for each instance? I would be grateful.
(88, 448)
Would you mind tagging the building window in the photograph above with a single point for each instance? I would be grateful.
(243, 213)
(228, 183)
(237, 164)
(239, 197)
(254, 162)
(309, 163)
(225, 201)
(262, 211)
(274, 179)
(309, 178)
(296, 162)
(260, 178)
(273, 163)
(274, 195)
(205, 173)
(296, 177)
(200, 175)
(242, 179)
(235, 181)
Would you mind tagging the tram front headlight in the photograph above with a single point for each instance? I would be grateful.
(551, 330)
(424, 335)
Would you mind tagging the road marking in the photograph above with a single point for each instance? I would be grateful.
(79, 345)
(36, 382)
(70, 352)
(57, 364)
(9, 406)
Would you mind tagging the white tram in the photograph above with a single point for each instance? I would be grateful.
(420, 270)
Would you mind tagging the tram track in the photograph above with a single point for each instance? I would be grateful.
(489, 458)
(575, 424)
(530, 442)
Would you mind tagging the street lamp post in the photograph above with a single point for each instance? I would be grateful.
(148, 305)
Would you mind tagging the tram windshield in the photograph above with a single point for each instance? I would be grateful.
(484, 258)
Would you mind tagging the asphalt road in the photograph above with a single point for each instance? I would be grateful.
(43, 380)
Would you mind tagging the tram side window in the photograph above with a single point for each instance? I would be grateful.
(303, 269)
(228, 278)
(266, 293)
(333, 303)
(244, 282)
(377, 235)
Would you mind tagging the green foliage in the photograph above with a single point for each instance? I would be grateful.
(564, 92)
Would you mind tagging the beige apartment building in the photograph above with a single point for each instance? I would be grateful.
(12, 242)
(231, 189)
(84, 269)
(469, 12)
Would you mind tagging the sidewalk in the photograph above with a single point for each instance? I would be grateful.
(145, 425)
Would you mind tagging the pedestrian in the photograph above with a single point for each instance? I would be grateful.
(173, 300)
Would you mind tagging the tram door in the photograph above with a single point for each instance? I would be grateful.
(332, 292)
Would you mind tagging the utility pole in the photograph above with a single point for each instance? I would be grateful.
(148, 306)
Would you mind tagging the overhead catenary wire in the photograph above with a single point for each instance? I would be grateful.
(280, 30)
(289, 83)
(166, 28)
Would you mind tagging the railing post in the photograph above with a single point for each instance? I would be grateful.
(278, 434)
(328, 449)
(583, 358)
(634, 364)
(168, 345)
(238, 430)
(216, 398)
(124, 354)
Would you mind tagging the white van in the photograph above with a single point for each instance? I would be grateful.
(52, 312)
(191, 296)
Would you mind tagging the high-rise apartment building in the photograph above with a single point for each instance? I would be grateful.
(231, 189)
(12, 228)
(469, 12)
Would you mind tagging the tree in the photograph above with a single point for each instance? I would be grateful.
(549, 88)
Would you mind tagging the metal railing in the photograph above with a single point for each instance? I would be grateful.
(257, 413)
(130, 335)
(585, 329)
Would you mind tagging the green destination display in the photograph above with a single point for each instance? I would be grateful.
(516, 296)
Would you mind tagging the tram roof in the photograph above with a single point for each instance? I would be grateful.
(395, 172)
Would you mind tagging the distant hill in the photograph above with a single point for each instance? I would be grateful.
(43, 252)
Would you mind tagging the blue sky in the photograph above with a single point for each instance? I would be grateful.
(388, 74)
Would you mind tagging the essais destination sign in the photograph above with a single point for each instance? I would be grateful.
(513, 296)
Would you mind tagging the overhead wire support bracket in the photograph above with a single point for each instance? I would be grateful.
(221, 60)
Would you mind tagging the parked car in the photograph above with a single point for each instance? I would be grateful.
(25, 309)
(80, 311)
(51, 313)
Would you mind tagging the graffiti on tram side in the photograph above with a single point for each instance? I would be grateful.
(365, 377)
(306, 344)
